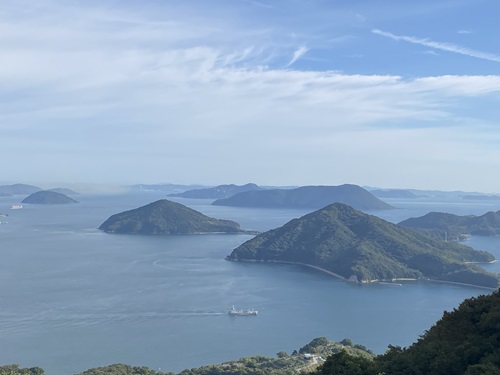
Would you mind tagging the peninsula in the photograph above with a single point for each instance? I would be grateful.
(455, 227)
(306, 197)
(363, 248)
(167, 217)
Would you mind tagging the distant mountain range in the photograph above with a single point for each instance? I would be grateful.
(454, 227)
(306, 197)
(48, 197)
(218, 192)
(167, 217)
(394, 193)
(363, 248)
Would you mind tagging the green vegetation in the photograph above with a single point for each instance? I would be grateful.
(365, 248)
(48, 197)
(454, 227)
(306, 197)
(16, 370)
(465, 341)
(166, 217)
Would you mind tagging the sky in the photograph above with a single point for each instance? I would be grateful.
(387, 93)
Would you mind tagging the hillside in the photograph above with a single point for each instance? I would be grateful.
(364, 248)
(454, 226)
(167, 217)
(48, 197)
(218, 192)
(306, 197)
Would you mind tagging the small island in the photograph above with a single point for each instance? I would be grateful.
(48, 197)
(306, 197)
(167, 217)
(363, 248)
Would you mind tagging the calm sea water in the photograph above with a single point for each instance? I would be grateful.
(72, 297)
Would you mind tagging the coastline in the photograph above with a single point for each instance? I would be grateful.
(355, 280)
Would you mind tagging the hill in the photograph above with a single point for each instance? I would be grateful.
(364, 248)
(48, 197)
(306, 197)
(218, 192)
(18, 189)
(167, 217)
(465, 341)
(455, 227)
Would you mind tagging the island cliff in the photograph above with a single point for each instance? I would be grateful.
(167, 217)
(364, 248)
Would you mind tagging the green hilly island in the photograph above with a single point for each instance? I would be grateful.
(455, 227)
(48, 197)
(306, 197)
(167, 217)
(364, 248)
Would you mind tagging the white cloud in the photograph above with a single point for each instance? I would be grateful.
(297, 54)
(448, 47)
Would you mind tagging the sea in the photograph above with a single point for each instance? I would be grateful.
(74, 298)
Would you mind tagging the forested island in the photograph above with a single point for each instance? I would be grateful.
(363, 248)
(455, 227)
(48, 197)
(167, 217)
(306, 197)
(465, 341)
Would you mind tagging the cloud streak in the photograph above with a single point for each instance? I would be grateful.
(442, 46)
(299, 52)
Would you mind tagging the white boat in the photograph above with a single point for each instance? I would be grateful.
(16, 206)
(242, 312)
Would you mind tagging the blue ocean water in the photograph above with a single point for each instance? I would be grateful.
(72, 297)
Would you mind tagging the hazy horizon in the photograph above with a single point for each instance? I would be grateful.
(235, 91)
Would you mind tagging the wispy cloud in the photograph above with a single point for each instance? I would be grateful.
(299, 52)
(443, 46)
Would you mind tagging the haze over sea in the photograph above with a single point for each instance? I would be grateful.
(73, 297)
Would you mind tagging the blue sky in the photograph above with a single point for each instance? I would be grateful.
(394, 94)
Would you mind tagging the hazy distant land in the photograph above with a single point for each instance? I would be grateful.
(48, 197)
(217, 192)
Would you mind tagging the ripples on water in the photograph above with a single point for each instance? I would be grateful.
(73, 297)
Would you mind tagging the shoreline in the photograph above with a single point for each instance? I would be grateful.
(351, 280)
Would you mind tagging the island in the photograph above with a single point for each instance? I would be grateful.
(18, 189)
(394, 193)
(64, 191)
(48, 197)
(167, 217)
(306, 197)
(362, 248)
(217, 192)
(455, 227)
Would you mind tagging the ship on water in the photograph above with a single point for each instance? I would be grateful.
(242, 312)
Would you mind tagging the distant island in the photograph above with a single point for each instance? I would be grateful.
(393, 193)
(218, 192)
(306, 197)
(18, 189)
(167, 217)
(455, 227)
(64, 191)
(363, 248)
(48, 197)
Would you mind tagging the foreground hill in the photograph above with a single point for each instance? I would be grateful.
(465, 341)
(167, 217)
(48, 197)
(365, 248)
(218, 192)
(455, 227)
(306, 197)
